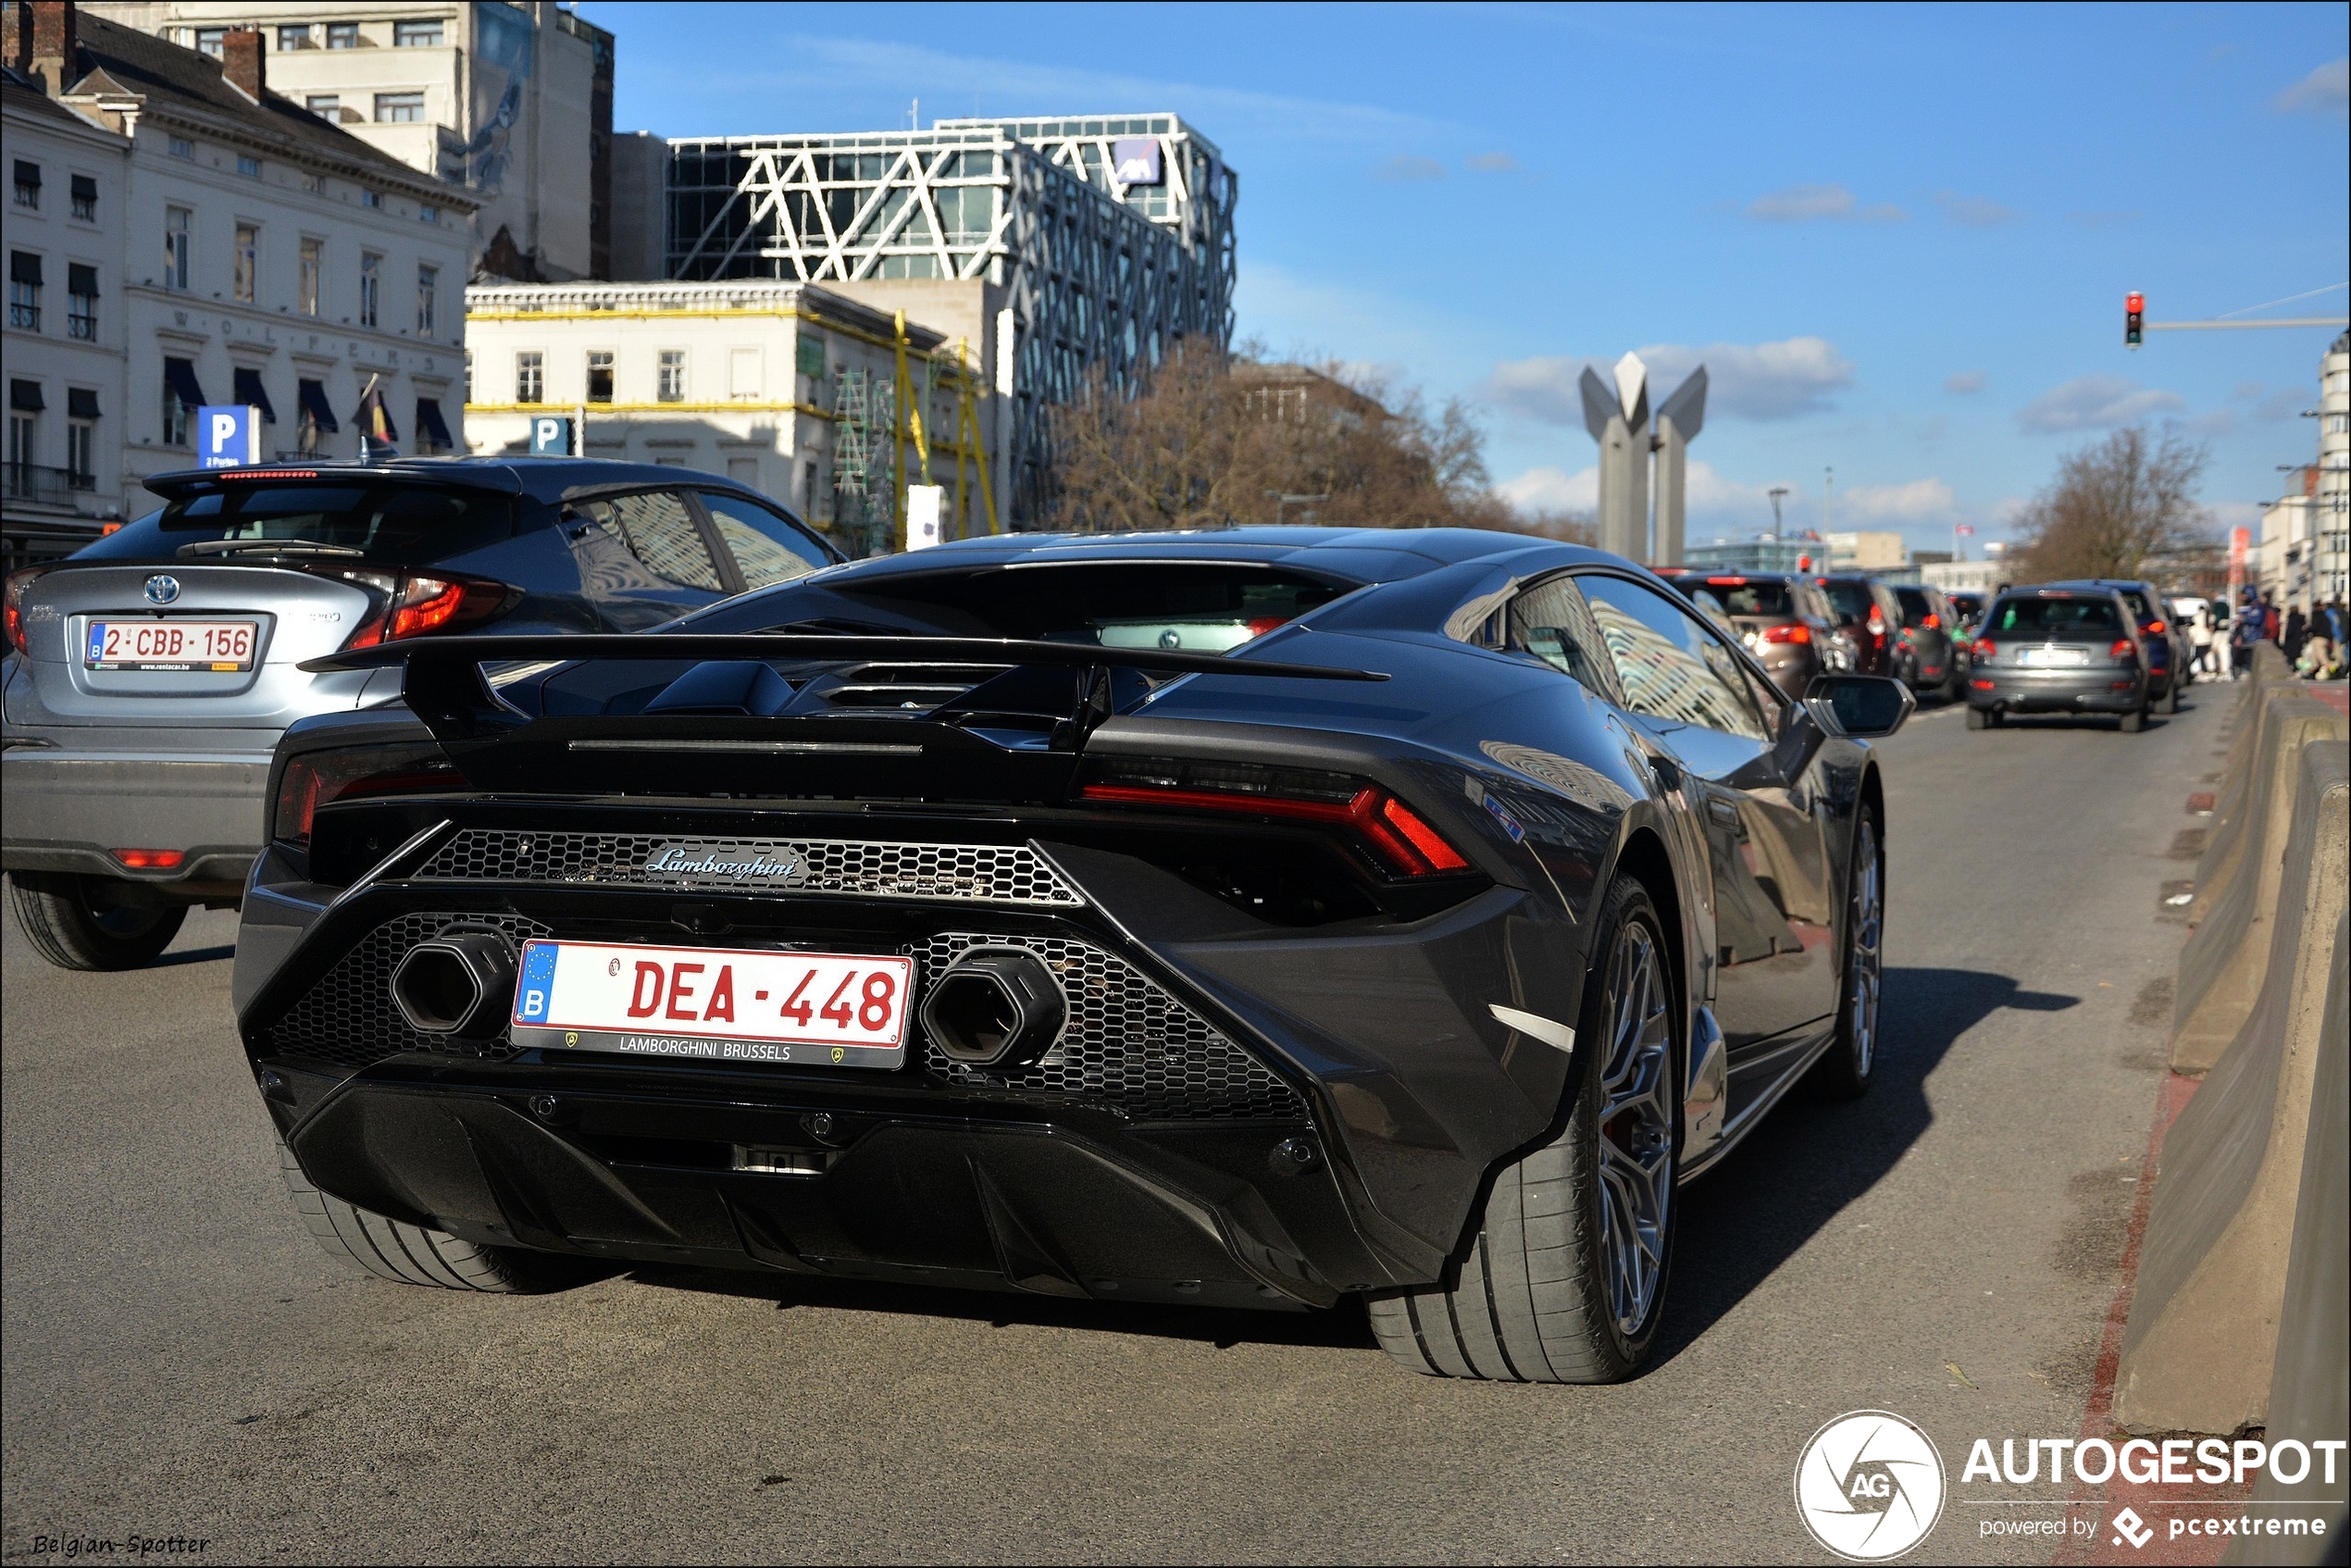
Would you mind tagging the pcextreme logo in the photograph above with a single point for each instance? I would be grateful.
(1870, 1485)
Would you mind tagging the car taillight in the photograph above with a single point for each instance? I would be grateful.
(19, 584)
(1932, 621)
(2123, 649)
(1982, 651)
(1397, 837)
(315, 779)
(1260, 624)
(1877, 623)
(416, 605)
(150, 860)
(2155, 628)
(1793, 631)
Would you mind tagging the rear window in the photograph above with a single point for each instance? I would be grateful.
(2140, 606)
(1743, 598)
(405, 525)
(2055, 616)
(1916, 606)
(1848, 598)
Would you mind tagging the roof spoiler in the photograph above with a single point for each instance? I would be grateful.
(755, 646)
(180, 481)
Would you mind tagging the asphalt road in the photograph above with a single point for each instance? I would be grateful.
(181, 1360)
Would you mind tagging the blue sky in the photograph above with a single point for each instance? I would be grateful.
(1898, 238)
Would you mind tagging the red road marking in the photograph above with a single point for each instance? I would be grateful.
(2200, 801)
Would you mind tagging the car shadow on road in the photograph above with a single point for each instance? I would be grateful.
(193, 955)
(1813, 1156)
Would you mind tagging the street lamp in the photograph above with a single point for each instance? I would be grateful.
(1281, 501)
(1775, 493)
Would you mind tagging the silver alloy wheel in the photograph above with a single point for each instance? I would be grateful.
(1865, 960)
(1636, 1128)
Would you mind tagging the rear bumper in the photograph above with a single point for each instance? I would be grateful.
(66, 810)
(2101, 689)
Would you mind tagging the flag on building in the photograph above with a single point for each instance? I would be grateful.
(377, 436)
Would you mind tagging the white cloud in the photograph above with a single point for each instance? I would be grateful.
(1779, 380)
(1552, 489)
(1921, 501)
(1406, 168)
(1975, 212)
(2094, 403)
(1493, 163)
(1812, 204)
(1964, 382)
(2326, 90)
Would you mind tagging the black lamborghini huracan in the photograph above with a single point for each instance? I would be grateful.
(1253, 917)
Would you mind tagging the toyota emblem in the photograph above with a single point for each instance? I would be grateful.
(162, 588)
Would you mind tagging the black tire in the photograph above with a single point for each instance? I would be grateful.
(1981, 718)
(1531, 1300)
(86, 923)
(2135, 721)
(395, 1250)
(2169, 702)
(1846, 1072)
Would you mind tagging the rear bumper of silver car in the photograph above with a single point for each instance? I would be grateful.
(2102, 688)
(70, 811)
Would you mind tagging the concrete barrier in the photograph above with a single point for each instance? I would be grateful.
(2227, 957)
(2310, 1387)
(2202, 1338)
(2224, 839)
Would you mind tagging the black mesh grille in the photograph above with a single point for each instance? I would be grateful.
(348, 1017)
(1127, 1042)
(1006, 874)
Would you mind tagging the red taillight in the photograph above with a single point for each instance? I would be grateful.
(1263, 624)
(316, 778)
(1932, 622)
(416, 605)
(20, 583)
(150, 860)
(1793, 631)
(2155, 628)
(1396, 834)
(1726, 582)
(426, 604)
(1983, 651)
(1877, 623)
(2123, 649)
(243, 474)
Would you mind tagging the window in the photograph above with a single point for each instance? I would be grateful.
(416, 35)
(399, 109)
(343, 35)
(427, 291)
(1668, 665)
(85, 198)
(530, 377)
(768, 549)
(371, 267)
(248, 261)
(808, 348)
(428, 214)
(314, 415)
(81, 302)
(181, 397)
(371, 198)
(24, 291)
(249, 167)
(175, 248)
(314, 263)
(1553, 621)
(209, 41)
(326, 105)
(659, 530)
(82, 436)
(297, 36)
(314, 183)
(742, 373)
(28, 184)
(599, 374)
(469, 375)
(24, 433)
(181, 147)
(673, 376)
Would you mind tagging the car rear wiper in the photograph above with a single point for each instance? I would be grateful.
(263, 546)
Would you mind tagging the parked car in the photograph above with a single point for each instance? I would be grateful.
(152, 673)
(2167, 652)
(1929, 640)
(1038, 930)
(1781, 617)
(2064, 648)
(1870, 618)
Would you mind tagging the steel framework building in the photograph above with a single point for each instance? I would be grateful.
(1100, 264)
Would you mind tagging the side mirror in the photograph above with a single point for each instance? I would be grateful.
(1858, 707)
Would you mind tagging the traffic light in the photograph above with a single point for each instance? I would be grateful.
(2134, 304)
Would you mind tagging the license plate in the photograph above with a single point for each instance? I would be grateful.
(2053, 657)
(725, 1004)
(218, 646)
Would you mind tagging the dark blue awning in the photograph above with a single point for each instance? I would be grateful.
(428, 424)
(314, 402)
(250, 390)
(180, 377)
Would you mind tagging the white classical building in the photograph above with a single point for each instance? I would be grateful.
(789, 388)
(64, 338)
(265, 257)
(511, 101)
(2304, 556)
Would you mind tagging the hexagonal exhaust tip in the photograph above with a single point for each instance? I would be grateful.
(995, 1007)
(458, 983)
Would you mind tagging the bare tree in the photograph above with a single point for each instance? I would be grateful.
(2116, 506)
(1202, 446)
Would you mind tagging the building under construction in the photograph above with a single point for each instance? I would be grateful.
(1046, 250)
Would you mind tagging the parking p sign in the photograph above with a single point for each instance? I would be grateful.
(550, 436)
(228, 435)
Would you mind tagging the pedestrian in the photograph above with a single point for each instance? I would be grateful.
(2295, 633)
(2245, 636)
(2268, 617)
(2200, 636)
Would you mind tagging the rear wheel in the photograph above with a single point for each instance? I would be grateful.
(2135, 721)
(1565, 1281)
(1982, 719)
(390, 1249)
(1844, 1073)
(91, 922)
(2169, 702)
